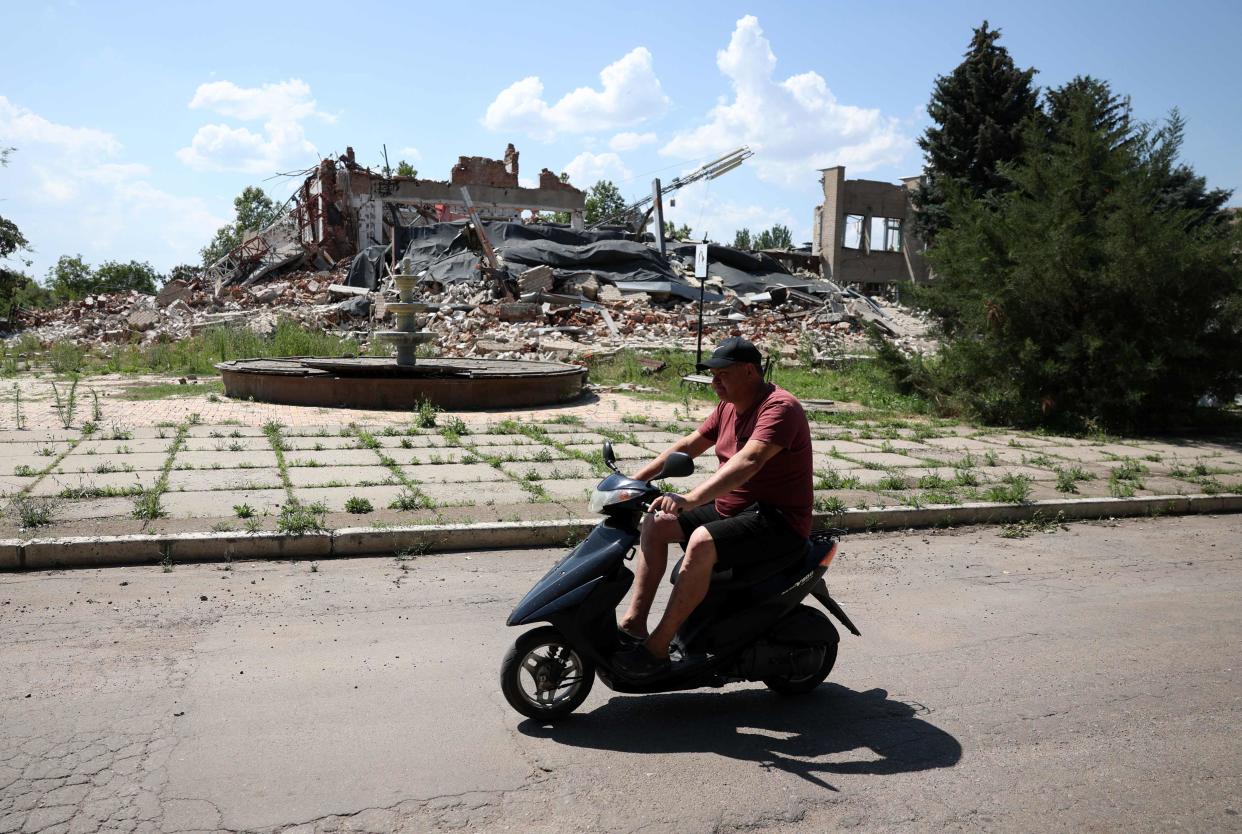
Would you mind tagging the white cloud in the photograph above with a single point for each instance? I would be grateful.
(73, 194)
(707, 214)
(410, 154)
(630, 141)
(794, 126)
(588, 168)
(629, 93)
(281, 107)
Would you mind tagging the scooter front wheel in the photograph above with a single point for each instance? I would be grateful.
(542, 676)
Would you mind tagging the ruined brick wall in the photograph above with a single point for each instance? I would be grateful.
(479, 170)
(548, 181)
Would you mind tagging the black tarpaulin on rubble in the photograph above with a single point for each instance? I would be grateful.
(440, 250)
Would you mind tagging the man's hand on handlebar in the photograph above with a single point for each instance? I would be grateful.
(670, 503)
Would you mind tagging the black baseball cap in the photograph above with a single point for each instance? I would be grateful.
(731, 352)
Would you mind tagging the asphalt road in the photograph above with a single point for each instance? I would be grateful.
(1081, 680)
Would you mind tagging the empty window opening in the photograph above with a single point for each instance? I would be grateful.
(885, 235)
(853, 232)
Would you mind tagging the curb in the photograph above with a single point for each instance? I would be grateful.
(102, 551)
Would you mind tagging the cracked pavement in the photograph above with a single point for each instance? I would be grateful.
(1085, 679)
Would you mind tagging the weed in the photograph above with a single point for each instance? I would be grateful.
(66, 405)
(23, 470)
(636, 419)
(33, 510)
(213, 397)
(19, 421)
(1068, 478)
(964, 477)
(411, 499)
(829, 479)
(358, 505)
(933, 481)
(453, 430)
(297, 518)
(1014, 489)
(253, 525)
(989, 458)
(425, 418)
(891, 481)
(222, 527)
(314, 567)
(243, 511)
(831, 505)
(236, 446)
(147, 505)
(543, 456)
(166, 560)
(106, 467)
(566, 420)
(96, 408)
(46, 451)
(939, 496)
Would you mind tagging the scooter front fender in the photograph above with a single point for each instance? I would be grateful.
(570, 581)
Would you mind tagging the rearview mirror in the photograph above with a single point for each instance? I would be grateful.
(676, 465)
(610, 457)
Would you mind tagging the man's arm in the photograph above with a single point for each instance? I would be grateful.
(740, 469)
(693, 444)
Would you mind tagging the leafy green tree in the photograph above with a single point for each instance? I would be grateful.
(405, 169)
(980, 113)
(741, 239)
(70, 278)
(1079, 293)
(777, 237)
(114, 276)
(253, 210)
(675, 232)
(604, 203)
(12, 242)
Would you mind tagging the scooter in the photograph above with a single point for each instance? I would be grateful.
(752, 625)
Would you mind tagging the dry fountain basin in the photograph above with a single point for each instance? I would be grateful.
(379, 383)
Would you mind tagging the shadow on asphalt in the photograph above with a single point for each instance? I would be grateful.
(788, 734)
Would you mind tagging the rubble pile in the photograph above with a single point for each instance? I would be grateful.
(548, 317)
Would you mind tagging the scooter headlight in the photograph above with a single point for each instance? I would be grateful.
(601, 498)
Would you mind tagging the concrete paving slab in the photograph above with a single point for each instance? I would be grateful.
(1168, 486)
(580, 436)
(318, 444)
(153, 433)
(10, 485)
(570, 489)
(320, 476)
(1088, 454)
(415, 441)
(959, 444)
(498, 440)
(39, 435)
(995, 474)
(332, 457)
(225, 444)
(885, 459)
(550, 470)
(13, 463)
(200, 480)
(531, 451)
(657, 440)
(621, 450)
(335, 497)
(123, 447)
(453, 473)
(220, 504)
(433, 455)
(845, 447)
(316, 431)
(204, 430)
(855, 499)
(103, 462)
(55, 484)
(88, 509)
(226, 460)
(480, 494)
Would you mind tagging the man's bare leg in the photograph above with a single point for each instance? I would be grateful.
(656, 535)
(691, 588)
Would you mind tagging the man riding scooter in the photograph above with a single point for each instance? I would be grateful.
(756, 507)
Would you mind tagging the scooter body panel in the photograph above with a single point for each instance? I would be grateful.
(598, 556)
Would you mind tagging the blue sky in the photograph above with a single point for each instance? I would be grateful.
(136, 124)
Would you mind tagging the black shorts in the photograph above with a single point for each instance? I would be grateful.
(756, 534)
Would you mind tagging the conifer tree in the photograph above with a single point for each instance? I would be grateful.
(981, 111)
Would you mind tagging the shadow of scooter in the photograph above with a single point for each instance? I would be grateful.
(755, 725)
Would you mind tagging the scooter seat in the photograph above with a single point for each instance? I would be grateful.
(745, 575)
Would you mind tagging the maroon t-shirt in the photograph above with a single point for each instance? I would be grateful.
(786, 482)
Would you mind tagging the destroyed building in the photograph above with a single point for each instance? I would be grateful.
(863, 234)
(500, 279)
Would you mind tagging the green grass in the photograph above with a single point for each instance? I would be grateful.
(861, 382)
(33, 510)
(198, 354)
(1014, 489)
(358, 506)
(1068, 478)
(169, 390)
(297, 518)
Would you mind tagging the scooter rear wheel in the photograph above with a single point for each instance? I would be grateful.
(800, 686)
(542, 676)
